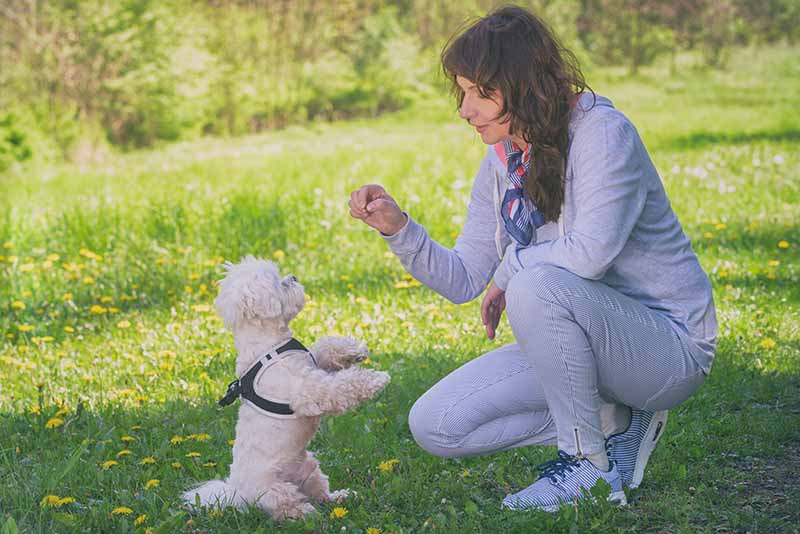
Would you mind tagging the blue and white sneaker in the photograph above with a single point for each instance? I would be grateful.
(563, 481)
(631, 449)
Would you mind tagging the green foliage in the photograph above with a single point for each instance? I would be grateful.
(14, 146)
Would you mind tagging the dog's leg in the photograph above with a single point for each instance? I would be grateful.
(336, 353)
(319, 392)
(284, 500)
(316, 485)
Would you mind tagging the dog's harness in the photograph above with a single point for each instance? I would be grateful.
(244, 387)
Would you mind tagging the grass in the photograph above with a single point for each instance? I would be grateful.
(107, 278)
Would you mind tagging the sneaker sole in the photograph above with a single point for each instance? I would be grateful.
(654, 432)
(617, 497)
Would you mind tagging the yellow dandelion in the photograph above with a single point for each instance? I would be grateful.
(188, 289)
(278, 254)
(69, 330)
(374, 530)
(176, 439)
(124, 452)
(88, 280)
(194, 276)
(105, 299)
(108, 464)
(231, 442)
(112, 309)
(121, 510)
(783, 244)
(720, 226)
(367, 361)
(54, 422)
(774, 263)
(176, 465)
(152, 483)
(62, 411)
(97, 309)
(136, 427)
(149, 530)
(127, 439)
(215, 513)
(708, 235)
(26, 294)
(465, 473)
(192, 454)
(201, 437)
(768, 343)
(66, 296)
(723, 274)
(53, 257)
(401, 284)
(49, 501)
(210, 464)
(25, 328)
(141, 519)
(388, 465)
(338, 512)
(18, 305)
(147, 460)
(8, 245)
(35, 409)
(65, 500)
(124, 324)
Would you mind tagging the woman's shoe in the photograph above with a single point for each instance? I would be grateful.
(631, 449)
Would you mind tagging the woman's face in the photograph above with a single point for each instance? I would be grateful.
(482, 113)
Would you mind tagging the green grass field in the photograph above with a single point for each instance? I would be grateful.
(112, 356)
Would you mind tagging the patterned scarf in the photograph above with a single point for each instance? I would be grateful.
(520, 215)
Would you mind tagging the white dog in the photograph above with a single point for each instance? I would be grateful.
(285, 389)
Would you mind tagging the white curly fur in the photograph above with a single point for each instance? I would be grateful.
(271, 466)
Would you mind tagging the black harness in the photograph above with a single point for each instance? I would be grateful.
(244, 387)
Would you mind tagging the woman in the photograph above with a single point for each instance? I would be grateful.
(612, 313)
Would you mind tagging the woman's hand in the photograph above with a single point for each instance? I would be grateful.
(494, 302)
(373, 205)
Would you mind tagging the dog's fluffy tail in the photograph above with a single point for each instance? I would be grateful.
(214, 493)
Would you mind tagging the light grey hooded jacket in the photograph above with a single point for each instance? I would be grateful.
(616, 226)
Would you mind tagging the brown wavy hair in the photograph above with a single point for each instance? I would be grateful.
(512, 51)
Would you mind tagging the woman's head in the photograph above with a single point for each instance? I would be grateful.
(509, 63)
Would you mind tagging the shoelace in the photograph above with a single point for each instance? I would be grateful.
(562, 465)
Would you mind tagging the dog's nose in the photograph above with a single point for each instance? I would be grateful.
(293, 278)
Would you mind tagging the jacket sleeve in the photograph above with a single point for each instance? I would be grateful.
(462, 273)
(610, 163)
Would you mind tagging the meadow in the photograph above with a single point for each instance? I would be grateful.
(112, 355)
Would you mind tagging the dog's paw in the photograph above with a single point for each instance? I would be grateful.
(376, 381)
(338, 353)
(296, 512)
(338, 495)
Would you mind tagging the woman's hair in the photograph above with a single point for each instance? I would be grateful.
(512, 51)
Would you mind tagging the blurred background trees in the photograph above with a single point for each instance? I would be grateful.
(81, 77)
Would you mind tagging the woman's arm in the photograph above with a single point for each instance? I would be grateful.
(610, 192)
(460, 274)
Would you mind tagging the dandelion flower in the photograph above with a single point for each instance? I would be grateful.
(783, 244)
(774, 263)
(69, 329)
(18, 305)
(62, 411)
(66, 296)
(210, 464)
(54, 422)
(176, 465)
(202, 437)
(136, 427)
(278, 254)
(768, 343)
(176, 439)
(24, 328)
(338, 512)
(50, 501)
(141, 519)
(97, 309)
(88, 280)
(123, 324)
(8, 245)
(147, 460)
(124, 452)
(708, 235)
(373, 530)
(108, 464)
(121, 510)
(152, 483)
(231, 442)
(192, 454)
(388, 465)
(127, 439)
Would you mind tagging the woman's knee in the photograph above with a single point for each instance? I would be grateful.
(430, 429)
(531, 287)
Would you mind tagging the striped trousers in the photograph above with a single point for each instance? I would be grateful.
(584, 353)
